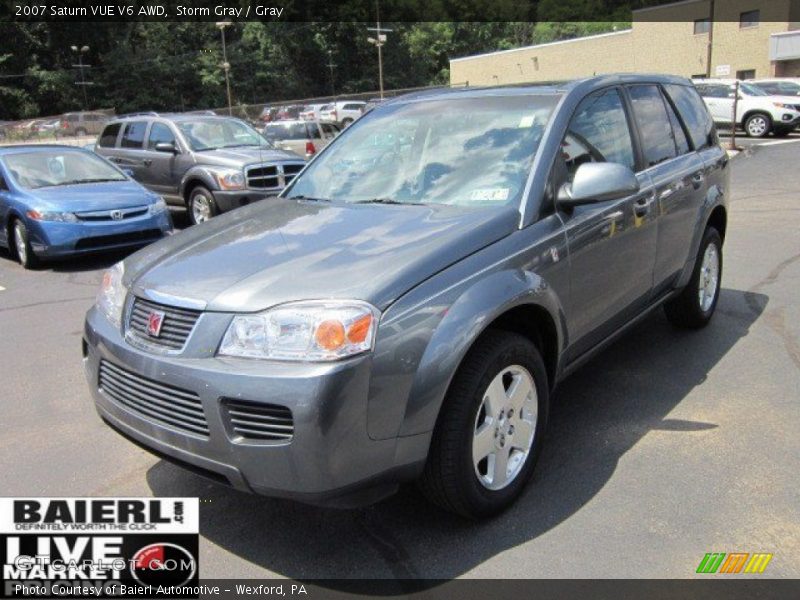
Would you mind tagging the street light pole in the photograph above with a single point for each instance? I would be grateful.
(83, 83)
(379, 40)
(225, 64)
(331, 66)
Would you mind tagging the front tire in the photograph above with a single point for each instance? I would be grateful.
(22, 246)
(757, 125)
(490, 430)
(695, 305)
(202, 206)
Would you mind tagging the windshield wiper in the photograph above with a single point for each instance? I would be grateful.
(309, 198)
(387, 201)
(241, 145)
(77, 181)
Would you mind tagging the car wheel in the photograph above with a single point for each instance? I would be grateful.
(80, 131)
(490, 430)
(22, 246)
(694, 306)
(757, 125)
(201, 205)
(346, 122)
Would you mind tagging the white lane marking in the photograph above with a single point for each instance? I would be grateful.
(777, 142)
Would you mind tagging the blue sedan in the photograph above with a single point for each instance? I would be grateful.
(58, 201)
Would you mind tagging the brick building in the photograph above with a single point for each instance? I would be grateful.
(747, 38)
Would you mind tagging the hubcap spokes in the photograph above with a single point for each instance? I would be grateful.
(22, 251)
(201, 209)
(758, 126)
(504, 427)
(709, 277)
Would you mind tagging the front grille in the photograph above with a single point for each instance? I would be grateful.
(272, 176)
(176, 325)
(166, 404)
(112, 215)
(256, 421)
(101, 241)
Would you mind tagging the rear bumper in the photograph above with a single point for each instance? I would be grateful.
(330, 458)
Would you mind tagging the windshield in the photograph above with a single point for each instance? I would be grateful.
(34, 170)
(459, 151)
(751, 90)
(286, 131)
(212, 134)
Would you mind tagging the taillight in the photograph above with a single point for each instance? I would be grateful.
(64, 125)
(310, 149)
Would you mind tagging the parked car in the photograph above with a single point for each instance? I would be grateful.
(344, 112)
(311, 112)
(58, 201)
(304, 138)
(407, 315)
(82, 123)
(208, 164)
(290, 112)
(268, 113)
(757, 112)
(779, 86)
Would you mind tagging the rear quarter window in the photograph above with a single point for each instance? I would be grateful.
(694, 113)
(109, 136)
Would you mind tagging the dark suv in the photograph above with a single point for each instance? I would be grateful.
(209, 164)
(407, 306)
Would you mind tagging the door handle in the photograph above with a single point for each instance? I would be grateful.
(697, 180)
(665, 193)
(147, 162)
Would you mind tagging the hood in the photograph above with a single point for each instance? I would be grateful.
(280, 250)
(239, 157)
(85, 197)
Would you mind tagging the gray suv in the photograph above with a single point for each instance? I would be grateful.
(209, 164)
(406, 308)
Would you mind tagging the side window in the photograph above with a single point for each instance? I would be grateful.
(159, 134)
(109, 136)
(133, 136)
(654, 127)
(678, 134)
(694, 112)
(313, 131)
(598, 132)
(719, 91)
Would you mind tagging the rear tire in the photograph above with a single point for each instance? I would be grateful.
(757, 125)
(22, 246)
(346, 122)
(487, 438)
(80, 131)
(202, 206)
(695, 305)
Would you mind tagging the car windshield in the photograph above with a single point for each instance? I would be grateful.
(213, 134)
(285, 131)
(751, 90)
(457, 151)
(40, 169)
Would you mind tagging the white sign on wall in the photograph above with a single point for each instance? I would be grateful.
(722, 70)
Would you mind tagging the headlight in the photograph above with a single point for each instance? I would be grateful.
(230, 179)
(158, 207)
(43, 215)
(309, 331)
(111, 297)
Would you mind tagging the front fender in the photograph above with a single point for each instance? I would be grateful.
(201, 173)
(422, 346)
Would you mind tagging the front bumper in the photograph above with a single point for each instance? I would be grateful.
(51, 239)
(330, 459)
(229, 200)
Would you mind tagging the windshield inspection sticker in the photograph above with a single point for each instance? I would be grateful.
(99, 547)
(489, 195)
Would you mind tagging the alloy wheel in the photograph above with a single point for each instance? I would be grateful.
(709, 278)
(20, 244)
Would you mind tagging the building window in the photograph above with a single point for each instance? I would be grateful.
(702, 26)
(750, 18)
(746, 74)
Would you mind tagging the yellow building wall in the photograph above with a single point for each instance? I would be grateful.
(662, 40)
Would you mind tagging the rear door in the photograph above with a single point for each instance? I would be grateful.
(676, 172)
(719, 99)
(160, 170)
(130, 154)
(612, 244)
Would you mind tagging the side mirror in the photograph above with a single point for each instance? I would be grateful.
(597, 182)
(168, 147)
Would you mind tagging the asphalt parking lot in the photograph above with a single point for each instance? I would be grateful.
(667, 446)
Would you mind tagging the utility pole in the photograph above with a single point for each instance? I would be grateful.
(710, 38)
(331, 67)
(226, 66)
(80, 66)
(378, 41)
(735, 109)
